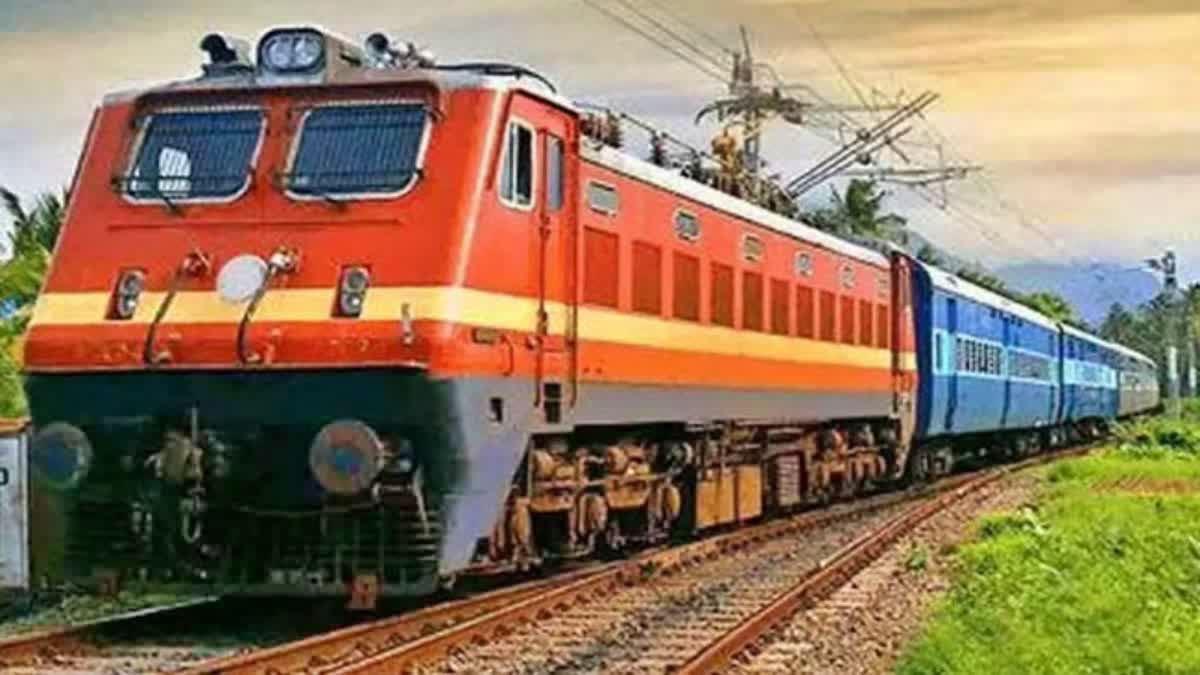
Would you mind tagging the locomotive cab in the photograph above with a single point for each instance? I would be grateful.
(254, 361)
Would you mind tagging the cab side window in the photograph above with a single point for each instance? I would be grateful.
(516, 178)
(554, 173)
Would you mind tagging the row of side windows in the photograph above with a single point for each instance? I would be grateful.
(976, 356)
(768, 305)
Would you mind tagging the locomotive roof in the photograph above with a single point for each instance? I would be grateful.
(445, 80)
(635, 167)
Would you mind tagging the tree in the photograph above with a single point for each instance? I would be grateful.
(1053, 306)
(858, 212)
(929, 255)
(981, 277)
(33, 236)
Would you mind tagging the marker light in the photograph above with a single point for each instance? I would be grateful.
(352, 291)
(129, 289)
(292, 51)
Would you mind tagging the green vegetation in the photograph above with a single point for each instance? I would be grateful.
(858, 212)
(34, 233)
(24, 613)
(1102, 577)
(1146, 328)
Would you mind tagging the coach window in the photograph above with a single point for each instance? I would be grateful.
(516, 181)
(554, 173)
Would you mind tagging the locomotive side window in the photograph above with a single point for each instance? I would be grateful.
(516, 180)
(554, 173)
(687, 227)
(194, 154)
(370, 150)
(602, 198)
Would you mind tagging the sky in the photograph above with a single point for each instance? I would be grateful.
(1082, 113)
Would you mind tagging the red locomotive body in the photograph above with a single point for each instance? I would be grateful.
(381, 320)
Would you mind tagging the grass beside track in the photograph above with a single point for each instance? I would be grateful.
(22, 613)
(1102, 577)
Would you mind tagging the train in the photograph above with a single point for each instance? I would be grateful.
(338, 319)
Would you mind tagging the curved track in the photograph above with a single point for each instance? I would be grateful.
(447, 635)
(691, 608)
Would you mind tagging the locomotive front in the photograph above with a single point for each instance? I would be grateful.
(237, 367)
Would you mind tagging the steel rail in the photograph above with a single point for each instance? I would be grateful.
(837, 570)
(402, 642)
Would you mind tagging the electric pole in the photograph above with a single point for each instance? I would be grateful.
(1166, 265)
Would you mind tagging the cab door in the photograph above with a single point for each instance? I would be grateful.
(558, 267)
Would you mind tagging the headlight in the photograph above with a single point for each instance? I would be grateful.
(128, 292)
(61, 455)
(346, 457)
(292, 51)
(352, 291)
(241, 278)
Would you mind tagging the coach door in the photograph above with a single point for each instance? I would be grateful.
(952, 379)
(558, 261)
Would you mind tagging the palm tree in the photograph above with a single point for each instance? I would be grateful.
(32, 238)
(34, 233)
(858, 213)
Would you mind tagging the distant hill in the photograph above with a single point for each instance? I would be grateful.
(1091, 287)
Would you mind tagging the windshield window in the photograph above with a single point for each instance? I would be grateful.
(358, 149)
(200, 154)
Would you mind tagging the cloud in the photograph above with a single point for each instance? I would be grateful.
(1084, 110)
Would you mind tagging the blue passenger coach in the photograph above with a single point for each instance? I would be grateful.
(985, 363)
(1089, 376)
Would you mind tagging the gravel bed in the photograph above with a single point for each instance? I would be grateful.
(862, 628)
(651, 627)
(168, 642)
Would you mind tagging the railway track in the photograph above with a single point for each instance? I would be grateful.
(160, 639)
(692, 608)
(391, 645)
(446, 634)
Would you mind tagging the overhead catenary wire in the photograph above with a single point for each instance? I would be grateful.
(721, 63)
(690, 26)
(706, 69)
